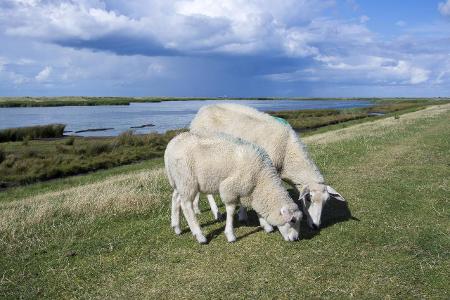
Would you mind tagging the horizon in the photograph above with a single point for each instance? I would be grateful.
(203, 48)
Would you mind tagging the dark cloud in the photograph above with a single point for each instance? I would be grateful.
(120, 44)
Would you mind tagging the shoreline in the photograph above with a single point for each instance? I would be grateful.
(11, 102)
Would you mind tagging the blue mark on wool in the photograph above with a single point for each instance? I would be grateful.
(281, 120)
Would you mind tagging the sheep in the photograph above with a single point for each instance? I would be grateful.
(234, 169)
(286, 151)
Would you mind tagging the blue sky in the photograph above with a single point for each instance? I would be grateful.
(319, 48)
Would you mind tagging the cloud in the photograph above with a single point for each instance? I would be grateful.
(358, 70)
(44, 74)
(444, 8)
(201, 47)
(195, 27)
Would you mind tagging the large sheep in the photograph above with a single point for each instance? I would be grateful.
(288, 154)
(234, 169)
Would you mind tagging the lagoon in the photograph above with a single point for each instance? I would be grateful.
(164, 115)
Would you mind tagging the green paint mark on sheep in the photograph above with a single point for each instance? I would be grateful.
(281, 120)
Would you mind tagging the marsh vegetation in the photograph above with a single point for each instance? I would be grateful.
(37, 160)
(33, 132)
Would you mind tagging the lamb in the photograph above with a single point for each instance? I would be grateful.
(234, 169)
(286, 151)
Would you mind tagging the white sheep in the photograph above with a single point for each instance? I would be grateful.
(234, 169)
(286, 151)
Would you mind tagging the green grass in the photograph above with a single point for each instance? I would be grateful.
(32, 132)
(108, 236)
(38, 160)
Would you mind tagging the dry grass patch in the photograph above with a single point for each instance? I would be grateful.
(125, 193)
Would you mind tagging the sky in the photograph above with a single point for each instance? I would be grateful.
(234, 48)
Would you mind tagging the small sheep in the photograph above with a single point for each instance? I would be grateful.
(234, 169)
(286, 151)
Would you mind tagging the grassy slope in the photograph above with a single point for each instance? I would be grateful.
(110, 237)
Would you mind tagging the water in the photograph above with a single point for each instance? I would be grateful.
(164, 115)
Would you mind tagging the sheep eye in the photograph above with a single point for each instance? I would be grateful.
(308, 198)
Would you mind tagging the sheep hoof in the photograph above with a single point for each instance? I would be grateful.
(293, 237)
(177, 230)
(231, 238)
(201, 238)
(268, 228)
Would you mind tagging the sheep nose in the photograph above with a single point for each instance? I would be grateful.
(314, 226)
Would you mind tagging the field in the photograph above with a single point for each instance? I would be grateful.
(107, 234)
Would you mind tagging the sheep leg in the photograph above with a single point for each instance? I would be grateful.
(267, 227)
(175, 217)
(242, 215)
(195, 204)
(191, 219)
(229, 230)
(214, 209)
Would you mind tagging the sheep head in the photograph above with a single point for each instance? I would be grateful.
(292, 217)
(313, 198)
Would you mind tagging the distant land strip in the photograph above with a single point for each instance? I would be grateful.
(94, 101)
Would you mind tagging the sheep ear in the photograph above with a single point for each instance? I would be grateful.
(286, 214)
(334, 194)
(304, 192)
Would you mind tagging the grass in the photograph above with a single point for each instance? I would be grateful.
(316, 121)
(39, 160)
(69, 101)
(108, 235)
(33, 132)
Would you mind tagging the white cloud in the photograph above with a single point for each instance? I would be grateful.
(44, 74)
(196, 26)
(374, 69)
(307, 38)
(444, 8)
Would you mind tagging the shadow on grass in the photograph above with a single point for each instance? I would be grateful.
(333, 212)
(252, 221)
